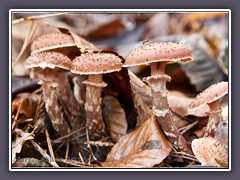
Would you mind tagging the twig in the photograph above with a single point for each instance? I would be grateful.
(99, 143)
(81, 158)
(73, 163)
(184, 155)
(31, 18)
(49, 145)
(44, 154)
(59, 140)
(67, 152)
(188, 127)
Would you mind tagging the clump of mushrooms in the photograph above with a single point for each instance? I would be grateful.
(211, 96)
(54, 64)
(95, 65)
(158, 55)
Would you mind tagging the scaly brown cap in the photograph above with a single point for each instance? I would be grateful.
(52, 41)
(210, 151)
(49, 60)
(212, 93)
(96, 63)
(159, 51)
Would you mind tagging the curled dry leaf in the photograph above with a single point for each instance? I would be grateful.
(115, 117)
(142, 98)
(210, 151)
(144, 147)
(19, 139)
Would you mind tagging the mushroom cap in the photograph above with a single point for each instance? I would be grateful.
(49, 60)
(52, 41)
(210, 151)
(212, 93)
(169, 52)
(96, 63)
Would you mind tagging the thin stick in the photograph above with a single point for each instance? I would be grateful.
(73, 163)
(99, 143)
(59, 140)
(44, 154)
(185, 157)
(81, 158)
(188, 127)
(31, 18)
(67, 151)
(49, 145)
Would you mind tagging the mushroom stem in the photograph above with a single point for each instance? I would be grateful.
(95, 124)
(74, 111)
(158, 68)
(162, 112)
(53, 107)
(214, 119)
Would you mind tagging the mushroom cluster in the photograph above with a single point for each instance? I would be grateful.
(55, 54)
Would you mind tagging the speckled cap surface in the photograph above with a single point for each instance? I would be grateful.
(212, 93)
(159, 51)
(96, 63)
(210, 151)
(49, 60)
(52, 41)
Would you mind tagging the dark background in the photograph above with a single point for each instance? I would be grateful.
(123, 4)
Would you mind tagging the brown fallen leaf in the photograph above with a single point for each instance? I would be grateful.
(114, 117)
(20, 138)
(142, 98)
(179, 103)
(144, 147)
(25, 103)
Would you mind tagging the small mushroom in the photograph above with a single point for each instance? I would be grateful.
(158, 55)
(94, 65)
(53, 65)
(211, 96)
(211, 152)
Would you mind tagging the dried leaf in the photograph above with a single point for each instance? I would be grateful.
(144, 147)
(179, 103)
(142, 98)
(20, 138)
(115, 117)
(25, 103)
(30, 162)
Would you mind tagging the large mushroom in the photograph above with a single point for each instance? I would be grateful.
(158, 55)
(95, 65)
(211, 96)
(54, 65)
